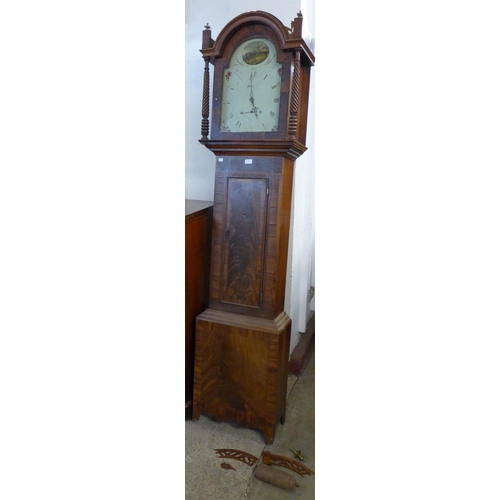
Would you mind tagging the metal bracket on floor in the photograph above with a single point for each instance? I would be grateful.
(297, 454)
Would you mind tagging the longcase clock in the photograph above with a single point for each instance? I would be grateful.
(256, 129)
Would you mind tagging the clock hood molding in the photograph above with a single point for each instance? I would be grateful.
(289, 38)
(290, 149)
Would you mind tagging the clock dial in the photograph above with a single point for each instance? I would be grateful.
(251, 89)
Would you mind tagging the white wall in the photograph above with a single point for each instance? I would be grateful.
(200, 162)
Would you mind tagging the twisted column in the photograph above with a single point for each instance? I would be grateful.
(205, 108)
(294, 98)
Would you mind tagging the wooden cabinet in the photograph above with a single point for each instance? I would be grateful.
(198, 234)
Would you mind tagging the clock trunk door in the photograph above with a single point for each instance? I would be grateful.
(250, 235)
(244, 241)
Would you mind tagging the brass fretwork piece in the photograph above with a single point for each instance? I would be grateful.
(289, 463)
(241, 456)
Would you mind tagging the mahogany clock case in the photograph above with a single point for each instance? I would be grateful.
(243, 339)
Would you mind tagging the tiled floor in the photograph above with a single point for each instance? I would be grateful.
(206, 479)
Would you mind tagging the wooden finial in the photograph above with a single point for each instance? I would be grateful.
(297, 25)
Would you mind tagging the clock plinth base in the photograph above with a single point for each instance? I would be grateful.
(241, 369)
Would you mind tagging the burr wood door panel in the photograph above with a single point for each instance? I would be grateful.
(244, 241)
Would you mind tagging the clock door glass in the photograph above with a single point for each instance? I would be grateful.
(251, 89)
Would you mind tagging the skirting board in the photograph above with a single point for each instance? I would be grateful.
(303, 350)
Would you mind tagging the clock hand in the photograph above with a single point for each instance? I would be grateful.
(255, 110)
(251, 89)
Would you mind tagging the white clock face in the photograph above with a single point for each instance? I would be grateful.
(251, 89)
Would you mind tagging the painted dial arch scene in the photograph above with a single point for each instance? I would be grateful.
(251, 88)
